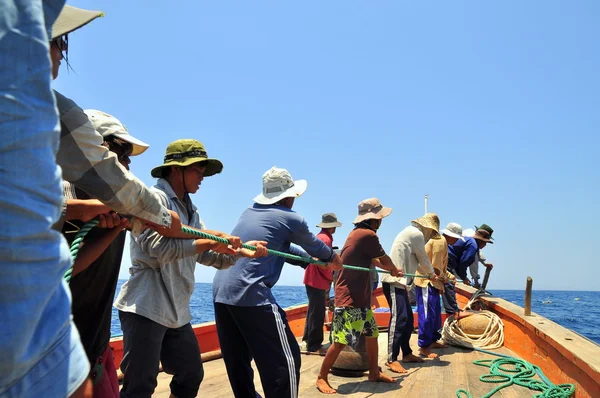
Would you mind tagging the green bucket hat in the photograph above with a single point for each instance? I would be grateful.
(184, 153)
(486, 227)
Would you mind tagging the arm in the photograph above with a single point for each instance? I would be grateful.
(93, 168)
(90, 251)
(418, 248)
(296, 251)
(85, 209)
(309, 242)
(387, 264)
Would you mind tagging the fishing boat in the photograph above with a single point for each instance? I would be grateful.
(561, 354)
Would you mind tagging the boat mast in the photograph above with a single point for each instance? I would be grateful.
(426, 200)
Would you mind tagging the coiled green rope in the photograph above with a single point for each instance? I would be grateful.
(289, 256)
(509, 370)
(77, 243)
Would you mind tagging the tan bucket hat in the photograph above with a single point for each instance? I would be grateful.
(184, 153)
(371, 209)
(329, 220)
(279, 184)
(106, 125)
(72, 18)
(429, 221)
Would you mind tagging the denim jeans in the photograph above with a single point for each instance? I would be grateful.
(41, 353)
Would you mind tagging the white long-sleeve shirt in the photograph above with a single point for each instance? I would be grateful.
(408, 254)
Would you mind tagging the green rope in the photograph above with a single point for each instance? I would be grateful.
(509, 370)
(289, 256)
(77, 243)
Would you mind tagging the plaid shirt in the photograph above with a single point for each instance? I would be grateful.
(93, 168)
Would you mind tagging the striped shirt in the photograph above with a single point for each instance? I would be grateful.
(90, 166)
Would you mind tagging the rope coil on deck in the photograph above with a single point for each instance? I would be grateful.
(483, 329)
(509, 370)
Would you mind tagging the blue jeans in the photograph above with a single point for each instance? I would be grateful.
(41, 354)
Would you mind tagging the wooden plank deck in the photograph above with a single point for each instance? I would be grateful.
(434, 378)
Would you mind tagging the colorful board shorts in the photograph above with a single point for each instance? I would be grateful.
(349, 323)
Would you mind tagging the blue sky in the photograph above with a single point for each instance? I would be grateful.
(489, 107)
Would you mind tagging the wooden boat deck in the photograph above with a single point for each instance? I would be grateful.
(433, 378)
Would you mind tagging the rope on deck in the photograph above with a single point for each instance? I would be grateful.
(509, 370)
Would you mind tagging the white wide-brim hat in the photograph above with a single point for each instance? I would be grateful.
(278, 184)
(107, 125)
(453, 230)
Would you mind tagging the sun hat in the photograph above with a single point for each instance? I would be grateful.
(371, 209)
(184, 153)
(106, 125)
(468, 233)
(72, 18)
(430, 221)
(453, 230)
(482, 234)
(279, 184)
(329, 220)
(487, 228)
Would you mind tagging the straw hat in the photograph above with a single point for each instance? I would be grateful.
(72, 18)
(279, 184)
(482, 234)
(184, 153)
(429, 221)
(106, 125)
(329, 220)
(453, 230)
(371, 209)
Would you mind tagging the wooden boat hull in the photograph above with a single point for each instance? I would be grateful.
(563, 355)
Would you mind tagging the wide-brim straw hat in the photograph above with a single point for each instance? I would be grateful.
(72, 18)
(370, 209)
(108, 125)
(429, 221)
(278, 184)
(184, 153)
(329, 220)
(482, 234)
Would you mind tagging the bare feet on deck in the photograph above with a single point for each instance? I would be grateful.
(438, 345)
(412, 358)
(426, 352)
(383, 378)
(324, 386)
(396, 367)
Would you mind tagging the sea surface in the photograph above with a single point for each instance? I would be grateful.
(578, 311)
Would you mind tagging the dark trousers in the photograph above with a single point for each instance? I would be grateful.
(449, 299)
(313, 327)
(145, 344)
(401, 321)
(263, 334)
(429, 311)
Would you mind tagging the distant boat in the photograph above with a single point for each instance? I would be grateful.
(576, 299)
(546, 302)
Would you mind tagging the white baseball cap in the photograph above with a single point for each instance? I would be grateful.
(106, 125)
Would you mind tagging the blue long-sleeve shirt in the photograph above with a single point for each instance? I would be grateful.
(248, 283)
(461, 255)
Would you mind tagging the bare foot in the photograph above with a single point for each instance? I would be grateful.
(382, 378)
(438, 345)
(412, 358)
(324, 386)
(426, 352)
(396, 367)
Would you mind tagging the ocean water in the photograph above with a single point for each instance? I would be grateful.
(578, 311)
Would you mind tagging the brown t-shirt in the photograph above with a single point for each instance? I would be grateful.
(353, 288)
